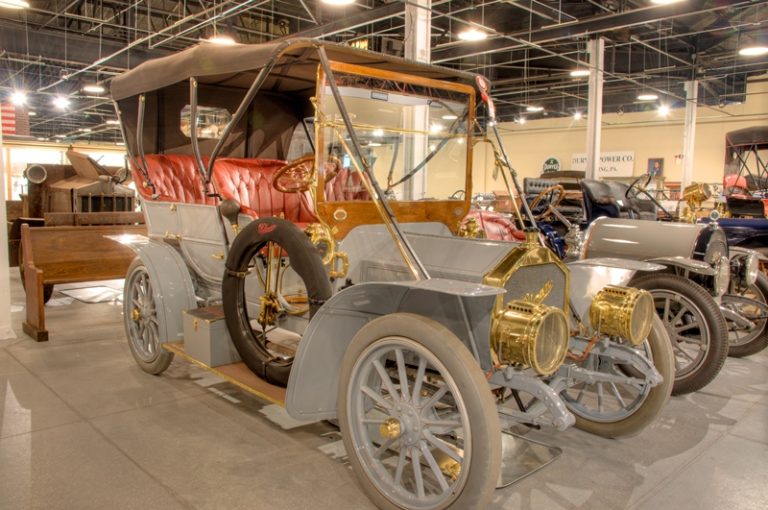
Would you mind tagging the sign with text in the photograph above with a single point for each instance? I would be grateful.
(612, 164)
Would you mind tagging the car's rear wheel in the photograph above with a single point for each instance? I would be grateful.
(418, 419)
(695, 326)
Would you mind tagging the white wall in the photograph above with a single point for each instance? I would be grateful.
(5, 285)
(646, 134)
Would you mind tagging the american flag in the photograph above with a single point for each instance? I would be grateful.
(9, 119)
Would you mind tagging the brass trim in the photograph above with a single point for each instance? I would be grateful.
(217, 256)
(390, 428)
(624, 312)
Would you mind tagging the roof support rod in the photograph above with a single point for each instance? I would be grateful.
(243, 108)
(409, 254)
(193, 132)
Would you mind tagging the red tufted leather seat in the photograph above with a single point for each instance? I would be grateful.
(249, 183)
(345, 186)
(175, 177)
(496, 226)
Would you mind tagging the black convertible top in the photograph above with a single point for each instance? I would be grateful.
(236, 66)
(748, 137)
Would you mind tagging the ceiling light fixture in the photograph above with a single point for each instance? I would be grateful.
(31, 113)
(663, 110)
(221, 40)
(61, 102)
(578, 115)
(579, 73)
(94, 89)
(754, 50)
(19, 98)
(86, 130)
(534, 109)
(338, 2)
(378, 132)
(521, 120)
(14, 4)
(472, 34)
(113, 122)
(450, 117)
(665, 2)
(647, 97)
(435, 128)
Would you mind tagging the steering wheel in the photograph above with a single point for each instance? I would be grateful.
(296, 176)
(553, 195)
(636, 187)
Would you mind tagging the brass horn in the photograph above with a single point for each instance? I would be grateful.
(36, 174)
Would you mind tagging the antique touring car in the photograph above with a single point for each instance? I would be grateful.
(308, 189)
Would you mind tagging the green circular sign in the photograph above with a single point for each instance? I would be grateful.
(551, 165)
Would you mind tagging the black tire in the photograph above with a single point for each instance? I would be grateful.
(760, 340)
(140, 321)
(696, 298)
(474, 486)
(305, 261)
(650, 408)
(47, 287)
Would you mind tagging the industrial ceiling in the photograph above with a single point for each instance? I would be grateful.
(55, 49)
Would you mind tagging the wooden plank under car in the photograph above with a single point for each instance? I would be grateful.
(237, 374)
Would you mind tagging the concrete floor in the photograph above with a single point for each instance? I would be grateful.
(82, 427)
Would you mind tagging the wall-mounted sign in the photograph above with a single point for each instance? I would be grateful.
(612, 164)
(550, 165)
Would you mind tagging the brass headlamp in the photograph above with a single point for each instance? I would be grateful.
(624, 312)
(693, 195)
(530, 335)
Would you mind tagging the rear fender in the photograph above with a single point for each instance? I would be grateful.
(464, 308)
(172, 285)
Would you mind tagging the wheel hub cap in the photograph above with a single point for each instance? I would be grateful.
(136, 314)
(409, 423)
(390, 428)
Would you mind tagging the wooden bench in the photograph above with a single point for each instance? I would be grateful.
(54, 255)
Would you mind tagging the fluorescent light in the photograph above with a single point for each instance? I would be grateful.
(61, 102)
(119, 143)
(534, 109)
(450, 117)
(14, 4)
(663, 110)
(579, 73)
(93, 88)
(521, 120)
(577, 115)
(753, 51)
(31, 113)
(378, 132)
(222, 40)
(472, 35)
(338, 2)
(435, 128)
(86, 130)
(647, 97)
(374, 144)
(19, 97)
(112, 122)
(665, 2)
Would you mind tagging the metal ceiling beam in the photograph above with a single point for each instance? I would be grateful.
(583, 27)
(354, 21)
(57, 45)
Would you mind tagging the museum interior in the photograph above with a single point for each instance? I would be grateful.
(393, 254)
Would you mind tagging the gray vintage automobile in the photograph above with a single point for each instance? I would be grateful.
(355, 294)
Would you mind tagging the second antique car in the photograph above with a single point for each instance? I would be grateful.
(274, 195)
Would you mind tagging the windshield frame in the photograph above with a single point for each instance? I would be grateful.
(343, 216)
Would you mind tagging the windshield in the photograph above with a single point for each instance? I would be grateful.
(413, 137)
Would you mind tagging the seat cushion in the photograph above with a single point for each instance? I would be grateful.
(497, 226)
(249, 183)
(347, 185)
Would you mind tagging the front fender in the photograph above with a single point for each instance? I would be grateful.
(171, 283)
(692, 265)
(589, 276)
(464, 308)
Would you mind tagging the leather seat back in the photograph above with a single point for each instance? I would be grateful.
(533, 186)
(598, 200)
(175, 178)
(249, 183)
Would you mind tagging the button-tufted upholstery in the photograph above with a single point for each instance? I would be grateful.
(497, 226)
(175, 177)
(347, 185)
(249, 183)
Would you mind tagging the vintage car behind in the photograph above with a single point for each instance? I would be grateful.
(359, 298)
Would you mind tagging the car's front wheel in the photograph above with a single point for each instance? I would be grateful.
(747, 342)
(417, 417)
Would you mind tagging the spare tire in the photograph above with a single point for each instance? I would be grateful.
(305, 260)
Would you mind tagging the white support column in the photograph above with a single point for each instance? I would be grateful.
(596, 49)
(6, 331)
(418, 31)
(689, 131)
